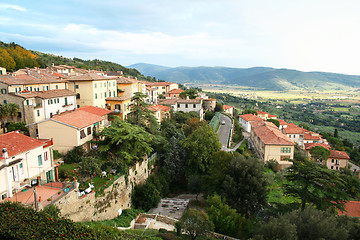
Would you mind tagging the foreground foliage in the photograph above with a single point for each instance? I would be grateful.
(17, 222)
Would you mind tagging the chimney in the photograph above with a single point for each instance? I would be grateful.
(5, 153)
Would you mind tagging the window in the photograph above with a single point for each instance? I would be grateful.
(186, 105)
(47, 87)
(163, 87)
(56, 86)
(332, 160)
(5, 102)
(285, 150)
(38, 113)
(332, 167)
(3, 91)
(114, 94)
(105, 94)
(95, 95)
(30, 89)
(109, 94)
(82, 134)
(178, 105)
(46, 156)
(48, 102)
(104, 84)
(21, 169)
(194, 105)
(51, 114)
(113, 83)
(78, 96)
(39, 160)
(88, 131)
(66, 103)
(51, 101)
(95, 85)
(3, 196)
(76, 86)
(117, 106)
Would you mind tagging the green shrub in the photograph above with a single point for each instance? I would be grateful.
(75, 155)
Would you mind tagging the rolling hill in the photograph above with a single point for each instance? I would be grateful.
(264, 78)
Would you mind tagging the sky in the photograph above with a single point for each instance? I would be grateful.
(307, 35)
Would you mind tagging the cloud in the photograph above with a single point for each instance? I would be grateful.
(13, 7)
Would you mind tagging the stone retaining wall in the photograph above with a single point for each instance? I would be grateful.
(116, 196)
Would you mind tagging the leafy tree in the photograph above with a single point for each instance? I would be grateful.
(140, 114)
(194, 184)
(336, 134)
(250, 111)
(244, 186)
(7, 110)
(303, 225)
(174, 159)
(168, 128)
(191, 125)
(13, 126)
(226, 220)
(218, 107)
(272, 164)
(199, 147)
(145, 196)
(191, 93)
(90, 166)
(315, 183)
(209, 115)
(274, 121)
(195, 222)
(126, 141)
(319, 153)
(75, 155)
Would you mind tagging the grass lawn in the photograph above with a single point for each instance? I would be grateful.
(121, 221)
(66, 166)
(100, 183)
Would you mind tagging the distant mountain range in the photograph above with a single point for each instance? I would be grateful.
(264, 78)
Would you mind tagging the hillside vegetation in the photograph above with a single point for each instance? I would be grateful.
(14, 57)
(262, 78)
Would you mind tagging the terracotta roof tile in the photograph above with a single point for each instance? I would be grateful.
(77, 118)
(176, 91)
(159, 107)
(282, 122)
(250, 117)
(47, 94)
(95, 110)
(226, 107)
(352, 208)
(89, 77)
(311, 136)
(17, 143)
(338, 154)
(294, 130)
(271, 135)
(308, 146)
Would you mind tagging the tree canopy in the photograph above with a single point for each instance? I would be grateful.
(195, 222)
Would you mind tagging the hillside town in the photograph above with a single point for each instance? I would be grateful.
(65, 110)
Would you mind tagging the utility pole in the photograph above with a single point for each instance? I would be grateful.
(35, 198)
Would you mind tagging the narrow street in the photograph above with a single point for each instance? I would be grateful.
(224, 131)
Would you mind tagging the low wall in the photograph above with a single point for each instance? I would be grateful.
(118, 195)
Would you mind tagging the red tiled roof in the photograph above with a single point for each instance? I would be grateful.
(190, 101)
(226, 107)
(294, 130)
(338, 154)
(309, 146)
(94, 110)
(261, 113)
(282, 122)
(352, 209)
(176, 91)
(311, 136)
(17, 143)
(292, 125)
(47, 94)
(271, 116)
(89, 77)
(250, 117)
(159, 107)
(78, 119)
(271, 135)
